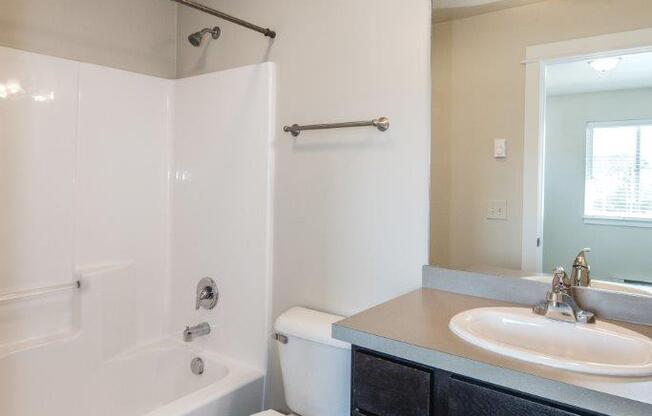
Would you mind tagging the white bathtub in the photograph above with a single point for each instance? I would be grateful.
(92, 352)
(60, 379)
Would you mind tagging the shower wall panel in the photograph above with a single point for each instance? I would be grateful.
(122, 199)
(221, 211)
(88, 191)
(38, 114)
(84, 161)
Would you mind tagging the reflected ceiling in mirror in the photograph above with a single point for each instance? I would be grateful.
(444, 10)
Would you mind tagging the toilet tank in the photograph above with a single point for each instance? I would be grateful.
(316, 368)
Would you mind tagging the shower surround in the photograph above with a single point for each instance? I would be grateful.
(137, 187)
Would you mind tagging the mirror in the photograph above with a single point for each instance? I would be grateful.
(542, 148)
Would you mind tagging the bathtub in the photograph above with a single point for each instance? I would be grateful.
(85, 353)
(60, 379)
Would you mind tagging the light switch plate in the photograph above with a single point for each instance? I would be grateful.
(500, 148)
(497, 209)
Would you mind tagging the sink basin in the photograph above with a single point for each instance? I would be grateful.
(604, 285)
(601, 348)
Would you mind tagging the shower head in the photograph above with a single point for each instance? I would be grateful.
(196, 38)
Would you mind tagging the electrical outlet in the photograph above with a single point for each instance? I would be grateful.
(497, 209)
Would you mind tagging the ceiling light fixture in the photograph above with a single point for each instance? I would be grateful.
(605, 64)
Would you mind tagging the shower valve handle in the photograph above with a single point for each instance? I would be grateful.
(207, 294)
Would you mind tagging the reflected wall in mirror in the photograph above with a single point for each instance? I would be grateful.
(566, 86)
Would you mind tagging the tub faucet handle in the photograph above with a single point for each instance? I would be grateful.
(207, 294)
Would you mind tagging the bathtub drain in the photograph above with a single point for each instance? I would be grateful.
(197, 366)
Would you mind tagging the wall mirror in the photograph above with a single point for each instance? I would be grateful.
(542, 149)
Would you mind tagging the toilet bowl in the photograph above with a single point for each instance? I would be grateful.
(316, 368)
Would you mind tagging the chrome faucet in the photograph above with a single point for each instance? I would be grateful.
(581, 274)
(560, 302)
(191, 332)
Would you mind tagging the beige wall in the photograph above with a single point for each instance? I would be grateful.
(440, 150)
(487, 102)
(351, 206)
(138, 36)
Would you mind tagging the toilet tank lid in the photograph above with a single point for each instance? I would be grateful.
(310, 325)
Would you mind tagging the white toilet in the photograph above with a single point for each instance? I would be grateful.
(316, 368)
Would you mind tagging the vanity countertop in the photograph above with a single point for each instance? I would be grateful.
(415, 327)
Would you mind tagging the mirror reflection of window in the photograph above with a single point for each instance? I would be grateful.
(618, 183)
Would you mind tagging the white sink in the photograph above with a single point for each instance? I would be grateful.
(603, 285)
(600, 348)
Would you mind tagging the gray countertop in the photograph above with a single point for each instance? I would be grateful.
(415, 327)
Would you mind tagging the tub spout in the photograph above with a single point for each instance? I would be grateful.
(191, 332)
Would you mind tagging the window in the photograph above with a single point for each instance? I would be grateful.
(618, 185)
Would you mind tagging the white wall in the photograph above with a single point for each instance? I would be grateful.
(351, 206)
(133, 35)
(221, 208)
(618, 252)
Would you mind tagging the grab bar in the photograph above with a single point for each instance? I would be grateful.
(381, 123)
(37, 291)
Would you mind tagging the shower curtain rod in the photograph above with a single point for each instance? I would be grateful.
(265, 31)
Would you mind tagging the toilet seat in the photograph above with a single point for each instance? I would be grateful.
(269, 413)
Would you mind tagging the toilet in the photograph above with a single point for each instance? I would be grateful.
(316, 368)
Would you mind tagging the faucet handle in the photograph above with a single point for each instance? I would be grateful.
(560, 281)
(560, 303)
(207, 294)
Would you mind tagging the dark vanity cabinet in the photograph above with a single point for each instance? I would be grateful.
(387, 386)
(382, 387)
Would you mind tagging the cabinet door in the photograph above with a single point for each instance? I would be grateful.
(466, 398)
(387, 388)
